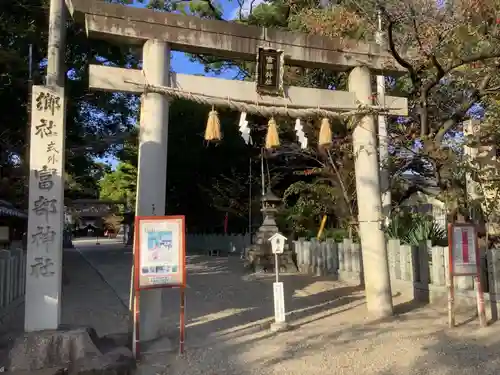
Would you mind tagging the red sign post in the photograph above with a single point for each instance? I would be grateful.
(159, 262)
(464, 260)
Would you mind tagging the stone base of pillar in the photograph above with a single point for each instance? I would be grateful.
(163, 344)
(259, 261)
(279, 327)
(80, 351)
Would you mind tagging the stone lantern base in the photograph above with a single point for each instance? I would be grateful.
(258, 260)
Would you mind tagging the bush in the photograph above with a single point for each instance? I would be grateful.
(338, 234)
(412, 229)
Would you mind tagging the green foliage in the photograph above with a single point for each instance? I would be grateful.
(269, 14)
(412, 229)
(120, 184)
(338, 234)
(93, 118)
(305, 205)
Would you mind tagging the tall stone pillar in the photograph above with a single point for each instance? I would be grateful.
(373, 244)
(152, 165)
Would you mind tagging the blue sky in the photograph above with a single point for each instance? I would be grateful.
(180, 62)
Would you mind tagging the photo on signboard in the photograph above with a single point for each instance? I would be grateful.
(159, 243)
(160, 251)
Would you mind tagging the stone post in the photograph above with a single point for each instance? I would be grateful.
(373, 244)
(46, 210)
(152, 165)
(46, 185)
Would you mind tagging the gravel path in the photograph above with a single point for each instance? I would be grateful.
(229, 312)
(228, 315)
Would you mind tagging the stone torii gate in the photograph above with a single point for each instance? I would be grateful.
(159, 33)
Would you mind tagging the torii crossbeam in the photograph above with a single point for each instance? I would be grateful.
(134, 81)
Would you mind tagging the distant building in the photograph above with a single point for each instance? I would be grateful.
(7, 209)
(427, 204)
(13, 223)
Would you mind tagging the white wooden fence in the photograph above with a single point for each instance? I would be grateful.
(422, 269)
(323, 258)
(12, 280)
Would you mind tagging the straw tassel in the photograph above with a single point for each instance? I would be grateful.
(212, 132)
(272, 138)
(325, 134)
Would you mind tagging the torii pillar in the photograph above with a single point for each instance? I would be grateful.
(373, 242)
(152, 165)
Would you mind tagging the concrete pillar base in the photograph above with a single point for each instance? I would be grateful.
(279, 327)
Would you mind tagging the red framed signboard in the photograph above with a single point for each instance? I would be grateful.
(159, 262)
(160, 252)
(464, 260)
(464, 254)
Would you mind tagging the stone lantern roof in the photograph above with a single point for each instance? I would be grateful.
(270, 197)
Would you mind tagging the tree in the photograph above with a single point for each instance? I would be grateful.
(451, 55)
(92, 117)
(120, 184)
(112, 222)
(322, 174)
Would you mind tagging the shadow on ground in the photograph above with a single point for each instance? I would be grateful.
(228, 314)
(223, 298)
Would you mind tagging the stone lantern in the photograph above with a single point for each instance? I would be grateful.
(270, 204)
(259, 256)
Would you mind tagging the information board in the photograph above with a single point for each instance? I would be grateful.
(160, 252)
(464, 249)
(463, 260)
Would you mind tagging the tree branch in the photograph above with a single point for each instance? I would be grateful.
(472, 59)
(464, 108)
(424, 96)
(345, 194)
(214, 10)
(392, 47)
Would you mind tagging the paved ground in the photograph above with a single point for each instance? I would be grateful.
(87, 301)
(229, 312)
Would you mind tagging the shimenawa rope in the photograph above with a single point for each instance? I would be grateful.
(261, 108)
